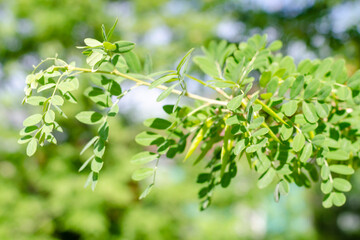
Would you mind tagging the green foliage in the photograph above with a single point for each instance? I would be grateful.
(298, 125)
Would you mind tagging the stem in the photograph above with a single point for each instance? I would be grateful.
(197, 109)
(269, 111)
(271, 133)
(140, 82)
(246, 71)
(207, 85)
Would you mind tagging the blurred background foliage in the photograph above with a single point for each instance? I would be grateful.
(43, 197)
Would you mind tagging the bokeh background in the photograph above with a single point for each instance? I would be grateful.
(43, 197)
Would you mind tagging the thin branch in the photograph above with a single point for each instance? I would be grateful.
(219, 90)
(140, 82)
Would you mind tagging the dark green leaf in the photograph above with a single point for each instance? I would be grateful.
(157, 123)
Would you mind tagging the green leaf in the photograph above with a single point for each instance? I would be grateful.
(208, 66)
(341, 169)
(184, 60)
(28, 130)
(162, 80)
(310, 112)
(287, 62)
(343, 93)
(32, 120)
(297, 87)
(339, 71)
(46, 87)
(108, 36)
(149, 138)
(306, 153)
(69, 85)
(239, 146)
(94, 180)
(235, 103)
(144, 157)
(260, 132)
(318, 140)
(299, 141)
(266, 96)
(265, 78)
(166, 93)
(354, 81)
(99, 148)
(98, 96)
(338, 199)
(324, 92)
(57, 100)
(285, 86)
(31, 147)
(96, 164)
(113, 110)
(266, 178)
(49, 116)
(286, 132)
(341, 184)
(325, 172)
(142, 173)
(322, 109)
(91, 142)
(284, 187)
(92, 42)
(94, 58)
(326, 187)
(83, 166)
(124, 46)
(340, 155)
(109, 46)
(89, 117)
(290, 108)
(311, 89)
(133, 62)
(328, 201)
(256, 123)
(114, 88)
(35, 100)
(157, 123)
(272, 85)
(222, 83)
(276, 45)
(146, 191)
(103, 32)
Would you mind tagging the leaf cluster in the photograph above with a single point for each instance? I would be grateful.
(293, 124)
